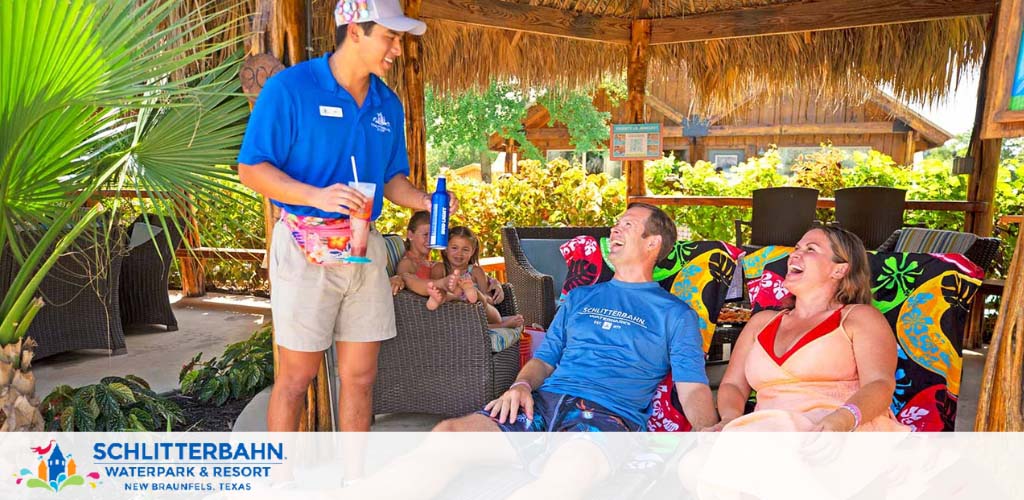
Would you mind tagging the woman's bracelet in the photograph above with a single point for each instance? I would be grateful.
(529, 387)
(855, 411)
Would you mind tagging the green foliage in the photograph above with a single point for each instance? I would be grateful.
(103, 108)
(458, 126)
(556, 194)
(588, 127)
(115, 404)
(821, 170)
(244, 369)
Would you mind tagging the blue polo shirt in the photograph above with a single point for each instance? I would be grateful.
(307, 125)
(611, 343)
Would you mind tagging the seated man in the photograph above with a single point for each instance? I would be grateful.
(608, 347)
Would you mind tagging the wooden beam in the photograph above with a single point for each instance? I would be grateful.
(636, 83)
(908, 148)
(790, 129)
(242, 254)
(415, 106)
(530, 19)
(814, 15)
(744, 201)
(664, 108)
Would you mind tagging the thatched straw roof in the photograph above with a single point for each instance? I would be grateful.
(915, 61)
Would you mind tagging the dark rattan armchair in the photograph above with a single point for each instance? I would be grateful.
(870, 212)
(780, 216)
(537, 291)
(441, 361)
(145, 274)
(81, 295)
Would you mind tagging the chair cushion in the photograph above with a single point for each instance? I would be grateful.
(916, 239)
(545, 257)
(142, 233)
(926, 299)
(503, 338)
(395, 246)
(764, 270)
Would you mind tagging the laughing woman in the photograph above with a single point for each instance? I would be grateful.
(828, 362)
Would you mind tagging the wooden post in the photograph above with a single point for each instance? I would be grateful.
(636, 78)
(288, 31)
(415, 107)
(908, 152)
(981, 186)
(999, 401)
(193, 278)
(510, 150)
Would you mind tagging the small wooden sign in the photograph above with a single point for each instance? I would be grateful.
(635, 141)
(1004, 107)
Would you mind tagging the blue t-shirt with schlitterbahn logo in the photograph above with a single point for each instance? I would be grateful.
(309, 126)
(612, 343)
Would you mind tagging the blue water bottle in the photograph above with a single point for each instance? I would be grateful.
(439, 216)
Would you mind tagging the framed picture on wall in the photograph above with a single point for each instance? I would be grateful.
(726, 159)
(1004, 105)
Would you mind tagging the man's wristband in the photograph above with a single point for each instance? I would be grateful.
(855, 411)
(529, 387)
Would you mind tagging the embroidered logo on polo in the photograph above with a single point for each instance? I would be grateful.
(354, 11)
(381, 124)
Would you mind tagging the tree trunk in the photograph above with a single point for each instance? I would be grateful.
(19, 406)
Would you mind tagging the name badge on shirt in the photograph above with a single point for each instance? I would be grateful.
(330, 111)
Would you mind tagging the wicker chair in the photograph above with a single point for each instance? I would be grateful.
(780, 216)
(870, 212)
(536, 291)
(144, 278)
(81, 295)
(441, 361)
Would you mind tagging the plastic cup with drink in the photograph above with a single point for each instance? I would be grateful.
(360, 221)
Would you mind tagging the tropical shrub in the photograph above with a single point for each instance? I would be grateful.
(102, 95)
(243, 370)
(115, 404)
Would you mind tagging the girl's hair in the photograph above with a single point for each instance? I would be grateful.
(461, 232)
(418, 219)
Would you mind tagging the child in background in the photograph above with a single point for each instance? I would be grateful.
(465, 279)
(416, 269)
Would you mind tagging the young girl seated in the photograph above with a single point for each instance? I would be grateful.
(459, 278)
(416, 261)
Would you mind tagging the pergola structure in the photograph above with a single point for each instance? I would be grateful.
(723, 48)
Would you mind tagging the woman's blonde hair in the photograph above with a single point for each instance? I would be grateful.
(847, 248)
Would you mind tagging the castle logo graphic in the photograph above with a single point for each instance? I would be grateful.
(55, 471)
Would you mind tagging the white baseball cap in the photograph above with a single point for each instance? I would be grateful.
(387, 13)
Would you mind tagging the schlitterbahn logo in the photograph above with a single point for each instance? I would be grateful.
(55, 470)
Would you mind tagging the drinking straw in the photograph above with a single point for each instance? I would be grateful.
(355, 173)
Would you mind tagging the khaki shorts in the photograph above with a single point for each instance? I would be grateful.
(316, 305)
